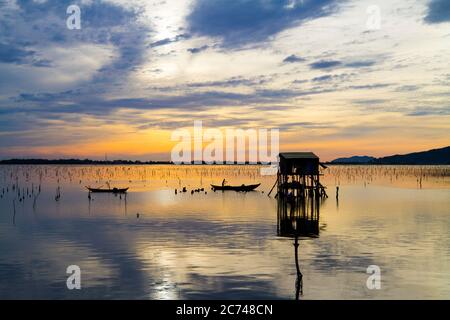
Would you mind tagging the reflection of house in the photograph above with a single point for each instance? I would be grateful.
(299, 175)
(298, 218)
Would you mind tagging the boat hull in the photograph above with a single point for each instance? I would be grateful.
(114, 190)
(242, 188)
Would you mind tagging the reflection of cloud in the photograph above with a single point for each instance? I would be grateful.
(228, 287)
(49, 257)
(329, 258)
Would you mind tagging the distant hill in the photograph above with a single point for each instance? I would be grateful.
(430, 157)
(435, 156)
(354, 159)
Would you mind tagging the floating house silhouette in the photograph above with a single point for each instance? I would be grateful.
(299, 175)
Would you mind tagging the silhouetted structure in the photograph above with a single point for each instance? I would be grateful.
(299, 175)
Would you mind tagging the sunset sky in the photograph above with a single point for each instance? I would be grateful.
(320, 71)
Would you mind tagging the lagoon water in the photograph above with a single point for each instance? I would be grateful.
(156, 244)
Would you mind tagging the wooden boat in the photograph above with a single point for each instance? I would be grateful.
(113, 190)
(241, 188)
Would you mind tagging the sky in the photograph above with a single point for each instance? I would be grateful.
(338, 78)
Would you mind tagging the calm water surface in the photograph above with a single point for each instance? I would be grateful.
(220, 244)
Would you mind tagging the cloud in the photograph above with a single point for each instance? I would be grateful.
(438, 11)
(326, 77)
(42, 63)
(429, 111)
(125, 67)
(198, 50)
(370, 86)
(330, 77)
(325, 64)
(231, 82)
(166, 41)
(299, 81)
(369, 101)
(307, 124)
(241, 22)
(408, 88)
(76, 102)
(360, 64)
(14, 54)
(333, 64)
(293, 58)
(28, 31)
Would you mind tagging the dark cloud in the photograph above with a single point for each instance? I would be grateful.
(326, 77)
(333, 64)
(323, 78)
(231, 82)
(36, 26)
(307, 124)
(370, 101)
(77, 102)
(166, 41)
(241, 22)
(198, 50)
(14, 54)
(293, 58)
(370, 86)
(17, 53)
(429, 111)
(360, 64)
(325, 64)
(299, 81)
(438, 11)
(42, 63)
(330, 77)
(407, 88)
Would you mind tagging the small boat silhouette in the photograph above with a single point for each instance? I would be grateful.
(241, 188)
(113, 190)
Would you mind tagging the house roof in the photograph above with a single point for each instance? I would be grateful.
(298, 155)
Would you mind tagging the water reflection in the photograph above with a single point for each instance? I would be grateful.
(221, 245)
(298, 217)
